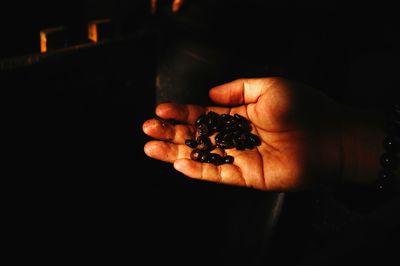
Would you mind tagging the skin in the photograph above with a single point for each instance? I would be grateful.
(307, 139)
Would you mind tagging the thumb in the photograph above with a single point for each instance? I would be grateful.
(240, 91)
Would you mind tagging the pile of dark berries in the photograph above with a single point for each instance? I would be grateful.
(230, 132)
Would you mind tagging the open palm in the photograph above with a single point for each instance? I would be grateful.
(297, 125)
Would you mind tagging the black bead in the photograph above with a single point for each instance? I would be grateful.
(386, 176)
(388, 161)
(385, 181)
(390, 144)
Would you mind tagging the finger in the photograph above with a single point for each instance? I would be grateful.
(240, 91)
(166, 152)
(227, 173)
(162, 130)
(186, 113)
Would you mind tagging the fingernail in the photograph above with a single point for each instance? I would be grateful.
(148, 149)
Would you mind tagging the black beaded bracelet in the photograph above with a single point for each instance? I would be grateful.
(391, 144)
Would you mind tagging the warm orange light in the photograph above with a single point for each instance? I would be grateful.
(176, 5)
(99, 30)
(43, 42)
(92, 32)
(56, 37)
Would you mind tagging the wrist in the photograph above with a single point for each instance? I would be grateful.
(362, 137)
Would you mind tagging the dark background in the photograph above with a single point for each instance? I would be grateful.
(77, 187)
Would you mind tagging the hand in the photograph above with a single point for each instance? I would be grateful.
(299, 129)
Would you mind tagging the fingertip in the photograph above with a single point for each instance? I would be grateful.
(215, 94)
(160, 109)
(229, 93)
(153, 149)
(148, 149)
(163, 110)
(146, 126)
